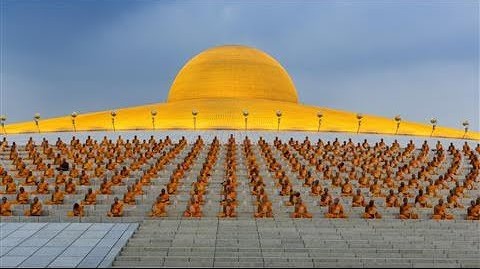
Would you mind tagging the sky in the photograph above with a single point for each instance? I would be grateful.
(419, 59)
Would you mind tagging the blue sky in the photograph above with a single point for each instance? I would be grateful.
(419, 59)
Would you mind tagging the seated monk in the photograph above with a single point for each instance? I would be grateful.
(308, 179)
(60, 179)
(228, 209)
(22, 197)
(371, 211)
(325, 198)
(363, 181)
(440, 211)
(138, 187)
(73, 172)
(70, 187)
(158, 208)
(286, 188)
(5, 208)
(358, 200)
(264, 209)
(164, 197)
(57, 197)
(335, 210)
(347, 188)
(336, 181)
(125, 172)
(388, 182)
(116, 210)
(117, 179)
(42, 187)
(473, 212)
(35, 208)
(376, 189)
(432, 189)
(403, 189)
(105, 187)
(30, 179)
(129, 196)
(316, 189)
(193, 209)
(77, 211)
(11, 187)
(391, 200)
(453, 200)
(98, 172)
(422, 200)
(90, 197)
(84, 179)
(49, 173)
(301, 210)
(406, 210)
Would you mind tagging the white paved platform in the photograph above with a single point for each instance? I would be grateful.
(62, 244)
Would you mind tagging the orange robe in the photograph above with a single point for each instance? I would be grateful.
(22, 198)
(42, 188)
(116, 210)
(335, 211)
(440, 212)
(90, 199)
(35, 210)
(6, 209)
(158, 210)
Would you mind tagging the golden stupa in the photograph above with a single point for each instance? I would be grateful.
(234, 87)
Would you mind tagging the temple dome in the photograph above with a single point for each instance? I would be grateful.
(233, 71)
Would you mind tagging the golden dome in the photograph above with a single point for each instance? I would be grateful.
(233, 71)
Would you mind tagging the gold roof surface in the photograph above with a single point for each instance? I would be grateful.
(233, 72)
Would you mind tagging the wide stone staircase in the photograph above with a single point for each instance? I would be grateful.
(302, 243)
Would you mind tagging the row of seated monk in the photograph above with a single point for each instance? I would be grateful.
(335, 208)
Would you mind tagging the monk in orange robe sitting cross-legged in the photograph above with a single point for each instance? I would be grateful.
(473, 212)
(5, 207)
(325, 198)
(116, 210)
(335, 210)
(301, 210)
(440, 211)
(347, 188)
(422, 199)
(264, 208)
(11, 187)
(35, 208)
(316, 188)
(22, 197)
(164, 197)
(391, 200)
(228, 209)
(159, 208)
(105, 187)
(70, 187)
(77, 211)
(358, 200)
(193, 208)
(57, 197)
(42, 187)
(129, 196)
(371, 211)
(406, 210)
(90, 197)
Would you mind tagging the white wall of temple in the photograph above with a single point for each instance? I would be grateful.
(223, 135)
